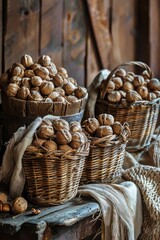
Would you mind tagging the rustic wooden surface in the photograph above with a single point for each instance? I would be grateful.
(82, 36)
(67, 221)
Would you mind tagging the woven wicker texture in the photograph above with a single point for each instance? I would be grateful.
(105, 160)
(141, 116)
(53, 178)
(147, 178)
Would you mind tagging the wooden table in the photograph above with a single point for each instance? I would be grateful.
(74, 220)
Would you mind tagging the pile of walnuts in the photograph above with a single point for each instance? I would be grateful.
(40, 81)
(127, 86)
(58, 135)
(102, 126)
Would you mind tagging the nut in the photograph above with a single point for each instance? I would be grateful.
(138, 81)
(45, 131)
(133, 96)
(50, 145)
(64, 148)
(26, 60)
(80, 92)
(69, 88)
(52, 69)
(106, 119)
(59, 124)
(154, 84)
(63, 136)
(36, 81)
(58, 80)
(19, 205)
(12, 89)
(91, 125)
(111, 87)
(103, 131)
(77, 140)
(75, 127)
(23, 93)
(18, 71)
(17, 80)
(62, 71)
(46, 88)
(38, 142)
(29, 73)
(42, 72)
(117, 128)
(6, 207)
(120, 72)
(127, 86)
(3, 197)
(44, 60)
(35, 211)
(143, 91)
(114, 97)
(26, 82)
(35, 96)
(118, 82)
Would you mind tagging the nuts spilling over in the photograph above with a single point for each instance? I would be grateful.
(41, 78)
(131, 87)
(58, 135)
(105, 126)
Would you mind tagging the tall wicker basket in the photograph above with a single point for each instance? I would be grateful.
(141, 115)
(52, 178)
(105, 160)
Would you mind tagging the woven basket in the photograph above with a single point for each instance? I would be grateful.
(105, 160)
(141, 116)
(53, 178)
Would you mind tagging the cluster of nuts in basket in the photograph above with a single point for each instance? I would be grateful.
(102, 126)
(129, 87)
(58, 135)
(41, 81)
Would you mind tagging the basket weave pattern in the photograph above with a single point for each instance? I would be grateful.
(105, 160)
(53, 178)
(141, 115)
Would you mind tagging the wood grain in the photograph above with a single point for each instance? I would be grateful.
(51, 30)
(74, 40)
(22, 30)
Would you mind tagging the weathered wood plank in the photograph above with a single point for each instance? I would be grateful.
(74, 40)
(22, 30)
(1, 28)
(99, 15)
(154, 36)
(51, 30)
(123, 32)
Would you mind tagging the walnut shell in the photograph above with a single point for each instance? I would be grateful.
(63, 136)
(50, 145)
(17, 80)
(114, 97)
(59, 124)
(18, 71)
(46, 88)
(35, 96)
(128, 78)
(127, 86)
(3, 197)
(36, 81)
(71, 98)
(58, 80)
(73, 80)
(19, 205)
(69, 88)
(12, 89)
(106, 119)
(103, 131)
(62, 71)
(118, 82)
(151, 96)
(77, 140)
(80, 92)
(26, 60)
(29, 73)
(138, 81)
(38, 142)
(34, 66)
(60, 99)
(23, 93)
(60, 91)
(117, 128)
(42, 72)
(26, 82)
(154, 84)
(52, 69)
(45, 132)
(143, 92)
(145, 74)
(64, 148)
(53, 95)
(44, 60)
(75, 127)
(110, 87)
(91, 125)
(6, 207)
(120, 72)
(133, 96)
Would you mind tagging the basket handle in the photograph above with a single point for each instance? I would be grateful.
(131, 63)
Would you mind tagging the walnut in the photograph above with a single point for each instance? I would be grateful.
(35, 211)
(127, 86)
(52, 69)
(143, 92)
(114, 97)
(106, 119)
(16, 79)
(118, 82)
(42, 72)
(154, 84)
(120, 72)
(72, 80)
(63, 136)
(45, 132)
(58, 80)
(29, 73)
(62, 71)
(103, 131)
(50, 145)
(59, 124)
(69, 88)
(35, 96)
(46, 88)
(77, 140)
(6, 207)
(44, 60)
(64, 148)
(19, 205)
(26, 82)
(138, 81)
(23, 93)
(75, 127)
(91, 125)
(151, 96)
(12, 89)
(53, 95)
(17, 71)
(36, 81)
(133, 96)
(3, 197)
(110, 87)
(35, 66)
(60, 91)
(117, 128)
(80, 92)
(38, 142)
(145, 74)
(59, 99)
(26, 60)
(71, 98)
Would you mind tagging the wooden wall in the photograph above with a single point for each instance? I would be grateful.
(83, 36)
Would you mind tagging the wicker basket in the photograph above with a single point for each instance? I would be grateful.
(105, 160)
(141, 116)
(53, 178)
